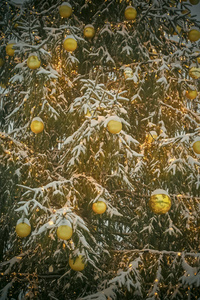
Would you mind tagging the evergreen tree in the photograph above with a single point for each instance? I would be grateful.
(93, 120)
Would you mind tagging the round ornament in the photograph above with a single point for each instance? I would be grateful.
(37, 125)
(128, 73)
(194, 72)
(70, 44)
(194, 35)
(64, 230)
(23, 227)
(160, 202)
(196, 145)
(130, 13)
(9, 49)
(114, 125)
(99, 207)
(65, 10)
(1, 62)
(78, 264)
(191, 94)
(33, 62)
(151, 136)
(89, 31)
(194, 2)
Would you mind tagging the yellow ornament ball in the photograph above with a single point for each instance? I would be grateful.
(191, 94)
(64, 231)
(194, 2)
(160, 202)
(23, 228)
(89, 31)
(65, 10)
(194, 72)
(99, 207)
(196, 146)
(33, 62)
(78, 264)
(194, 35)
(1, 62)
(37, 125)
(9, 49)
(114, 125)
(70, 44)
(151, 136)
(130, 13)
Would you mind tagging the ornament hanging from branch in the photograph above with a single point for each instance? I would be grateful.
(196, 145)
(130, 13)
(160, 202)
(114, 124)
(77, 264)
(194, 34)
(37, 125)
(9, 48)
(89, 31)
(70, 44)
(23, 227)
(64, 230)
(33, 61)
(99, 207)
(65, 10)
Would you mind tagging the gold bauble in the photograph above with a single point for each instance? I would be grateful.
(151, 136)
(64, 232)
(89, 31)
(194, 72)
(99, 207)
(114, 126)
(9, 49)
(23, 229)
(78, 264)
(1, 62)
(194, 2)
(160, 202)
(191, 94)
(70, 44)
(65, 10)
(33, 62)
(16, 25)
(37, 125)
(130, 13)
(196, 147)
(128, 73)
(194, 35)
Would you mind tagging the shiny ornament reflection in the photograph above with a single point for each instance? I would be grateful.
(77, 264)
(65, 10)
(99, 207)
(160, 202)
